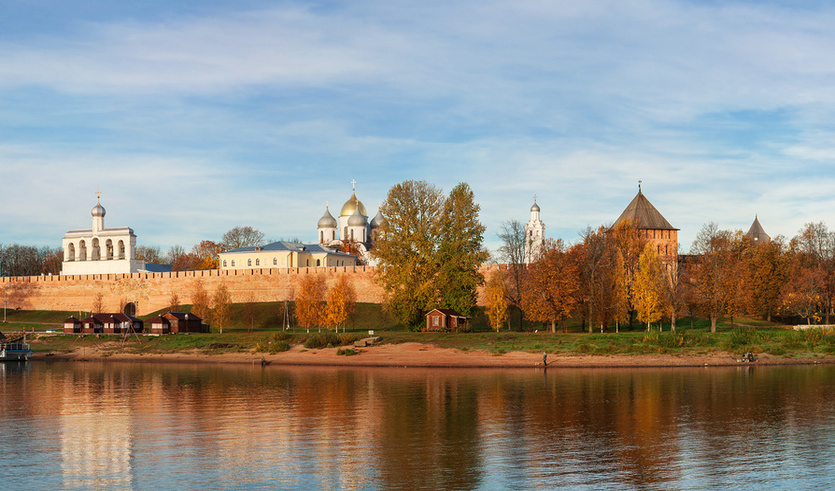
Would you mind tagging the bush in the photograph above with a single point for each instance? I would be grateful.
(346, 352)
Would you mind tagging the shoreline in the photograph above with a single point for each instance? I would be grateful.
(419, 355)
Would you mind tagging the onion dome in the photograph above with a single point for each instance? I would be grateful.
(353, 204)
(357, 219)
(378, 221)
(535, 207)
(327, 220)
(98, 210)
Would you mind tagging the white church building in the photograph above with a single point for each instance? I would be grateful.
(534, 235)
(100, 250)
(351, 228)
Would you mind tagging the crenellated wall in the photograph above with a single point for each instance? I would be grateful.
(152, 291)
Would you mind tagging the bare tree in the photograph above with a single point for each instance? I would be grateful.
(242, 237)
(512, 253)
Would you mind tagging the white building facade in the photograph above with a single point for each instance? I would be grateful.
(100, 250)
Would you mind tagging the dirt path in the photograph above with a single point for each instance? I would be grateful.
(424, 355)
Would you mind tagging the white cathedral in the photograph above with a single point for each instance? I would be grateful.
(100, 250)
(534, 235)
(352, 227)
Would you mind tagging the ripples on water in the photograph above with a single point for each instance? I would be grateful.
(142, 426)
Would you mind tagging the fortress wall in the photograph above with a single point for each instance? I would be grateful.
(153, 291)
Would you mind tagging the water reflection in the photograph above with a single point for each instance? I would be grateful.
(143, 426)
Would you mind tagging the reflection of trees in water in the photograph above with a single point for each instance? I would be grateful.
(439, 429)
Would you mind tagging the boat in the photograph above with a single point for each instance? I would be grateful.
(14, 348)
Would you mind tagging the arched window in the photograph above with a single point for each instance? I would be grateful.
(121, 249)
(71, 252)
(224, 263)
(258, 262)
(308, 262)
(249, 262)
(321, 237)
(318, 262)
(108, 249)
(275, 261)
(96, 250)
(233, 263)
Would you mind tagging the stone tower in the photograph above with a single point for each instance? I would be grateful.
(534, 235)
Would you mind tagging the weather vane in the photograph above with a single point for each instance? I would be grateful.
(639, 185)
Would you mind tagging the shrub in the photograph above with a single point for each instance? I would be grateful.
(279, 347)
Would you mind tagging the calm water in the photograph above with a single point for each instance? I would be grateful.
(143, 426)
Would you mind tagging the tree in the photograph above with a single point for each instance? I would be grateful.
(512, 253)
(341, 303)
(804, 292)
(460, 252)
(715, 277)
(248, 311)
(222, 307)
(173, 302)
(620, 292)
(200, 301)
(151, 255)
(98, 303)
(309, 301)
(627, 238)
(496, 299)
(766, 275)
(173, 254)
(406, 252)
(596, 273)
(649, 287)
(207, 254)
(241, 237)
(551, 285)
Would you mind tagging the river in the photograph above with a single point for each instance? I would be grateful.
(114, 426)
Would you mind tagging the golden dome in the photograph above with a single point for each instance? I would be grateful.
(351, 205)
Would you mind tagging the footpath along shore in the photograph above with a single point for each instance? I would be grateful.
(423, 355)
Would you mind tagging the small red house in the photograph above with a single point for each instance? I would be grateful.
(72, 325)
(445, 319)
(115, 323)
(159, 325)
(184, 322)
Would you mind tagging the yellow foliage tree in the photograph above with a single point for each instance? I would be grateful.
(552, 283)
(341, 303)
(310, 300)
(200, 301)
(649, 287)
(223, 307)
(495, 293)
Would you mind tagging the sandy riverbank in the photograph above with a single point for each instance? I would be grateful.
(424, 355)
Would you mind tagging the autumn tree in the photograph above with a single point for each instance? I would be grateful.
(495, 296)
(804, 292)
(310, 300)
(151, 255)
(649, 287)
(241, 237)
(173, 254)
(341, 303)
(627, 238)
(551, 284)
(173, 301)
(222, 301)
(431, 250)
(767, 273)
(596, 276)
(248, 310)
(460, 253)
(619, 306)
(200, 300)
(512, 253)
(716, 276)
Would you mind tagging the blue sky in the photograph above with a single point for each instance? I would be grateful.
(195, 117)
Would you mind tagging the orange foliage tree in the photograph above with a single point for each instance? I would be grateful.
(552, 282)
(495, 292)
(649, 287)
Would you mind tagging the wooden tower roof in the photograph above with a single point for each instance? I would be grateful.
(757, 233)
(641, 211)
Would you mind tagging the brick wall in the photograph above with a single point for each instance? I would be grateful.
(152, 291)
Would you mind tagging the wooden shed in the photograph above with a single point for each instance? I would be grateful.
(185, 322)
(445, 319)
(72, 325)
(159, 325)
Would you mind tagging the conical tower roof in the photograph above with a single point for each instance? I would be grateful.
(757, 233)
(641, 212)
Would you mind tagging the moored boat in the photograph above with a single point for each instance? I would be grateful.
(14, 349)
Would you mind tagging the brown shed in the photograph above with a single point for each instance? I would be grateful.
(72, 325)
(185, 322)
(442, 319)
(159, 325)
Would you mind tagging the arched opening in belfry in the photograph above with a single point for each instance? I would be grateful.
(71, 252)
(82, 251)
(96, 250)
(121, 249)
(108, 249)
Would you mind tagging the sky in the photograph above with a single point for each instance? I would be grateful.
(196, 117)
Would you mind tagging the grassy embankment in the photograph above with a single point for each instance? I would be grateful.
(262, 333)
